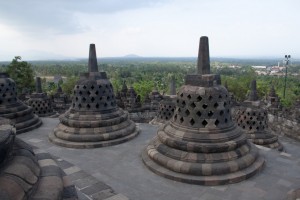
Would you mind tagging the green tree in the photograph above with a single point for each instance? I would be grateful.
(69, 84)
(22, 73)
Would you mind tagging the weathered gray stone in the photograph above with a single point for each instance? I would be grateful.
(201, 144)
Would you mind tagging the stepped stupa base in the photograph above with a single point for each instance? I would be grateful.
(213, 180)
(266, 140)
(28, 125)
(91, 144)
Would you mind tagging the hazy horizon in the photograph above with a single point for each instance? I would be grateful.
(61, 29)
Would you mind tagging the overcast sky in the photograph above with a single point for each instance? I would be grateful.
(47, 29)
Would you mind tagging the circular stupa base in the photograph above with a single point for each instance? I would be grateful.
(156, 122)
(266, 140)
(96, 144)
(214, 180)
(28, 126)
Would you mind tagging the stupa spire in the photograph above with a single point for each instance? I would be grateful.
(38, 85)
(203, 65)
(93, 65)
(253, 93)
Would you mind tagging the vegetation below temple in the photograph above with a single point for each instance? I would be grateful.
(145, 73)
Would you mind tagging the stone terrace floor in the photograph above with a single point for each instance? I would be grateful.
(121, 168)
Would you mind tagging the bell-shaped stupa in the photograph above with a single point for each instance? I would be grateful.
(94, 119)
(27, 173)
(12, 108)
(201, 144)
(40, 102)
(253, 119)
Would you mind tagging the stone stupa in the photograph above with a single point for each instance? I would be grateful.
(60, 101)
(40, 102)
(253, 119)
(27, 173)
(201, 144)
(166, 106)
(12, 108)
(94, 119)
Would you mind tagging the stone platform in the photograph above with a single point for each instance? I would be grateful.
(120, 169)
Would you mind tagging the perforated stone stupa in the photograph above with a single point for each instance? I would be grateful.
(201, 144)
(165, 111)
(93, 120)
(40, 102)
(60, 101)
(253, 119)
(27, 173)
(12, 108)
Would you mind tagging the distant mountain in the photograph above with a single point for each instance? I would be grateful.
(132, 56)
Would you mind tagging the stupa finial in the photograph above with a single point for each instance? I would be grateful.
(203, 65)
(93, 65)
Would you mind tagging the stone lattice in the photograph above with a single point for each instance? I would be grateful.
(201, 144)
(15, 110)
(27, 173)
(40, 102)
(165, 111)
(93, 120)
(253, 119)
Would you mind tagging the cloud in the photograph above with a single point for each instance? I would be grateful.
(60, 16)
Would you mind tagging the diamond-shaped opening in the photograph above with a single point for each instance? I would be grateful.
(181, 94)
(97, 105)
(216, 105)
(181, 120)
(199, 98)
(250, 127)
(189, 96)
(225, 104)
(80, 93)
(179, 109)
(228, 110)
(243, 127)
(221, 112)
(83, 99)
(204, 106)
(257, 128)
(84, 87)
(177, 100)
(251, 118)
(105, 104)
(92, 87)
(187, 112)
(92, 99)
(210, 113)
(199, 113)
(192, 121)
(220, 96)
(193, 105)
(226, 120)
(204, 123)
(254, 114)
(88, 92)
(210, 97)
(97, 92)
(247, 122)
(88, 106)
(217, 122)
(175, 117)
(108, 97)
(183, 103)
(100, 98)
(79, 105)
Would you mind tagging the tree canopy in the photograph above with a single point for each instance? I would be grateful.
(22, 73)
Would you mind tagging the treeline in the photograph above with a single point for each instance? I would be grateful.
(144, 75)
